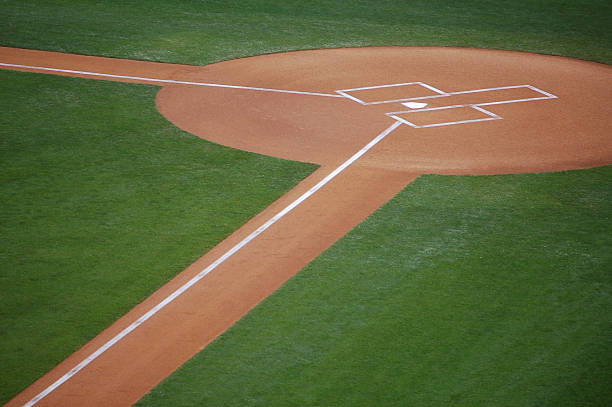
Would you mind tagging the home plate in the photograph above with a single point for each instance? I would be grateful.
(414, 105)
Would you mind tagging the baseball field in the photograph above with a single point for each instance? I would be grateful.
(461, 290)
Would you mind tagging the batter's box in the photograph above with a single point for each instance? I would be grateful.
(399, 92)
(443, 116)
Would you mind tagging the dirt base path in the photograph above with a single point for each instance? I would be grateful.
(374, 118)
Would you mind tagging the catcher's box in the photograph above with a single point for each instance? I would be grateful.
(432, 107)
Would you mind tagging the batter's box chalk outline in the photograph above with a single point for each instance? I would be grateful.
(430, 92)
(397, 116)
(426, 89)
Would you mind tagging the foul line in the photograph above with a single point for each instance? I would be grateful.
(211, 267)
(216, 85)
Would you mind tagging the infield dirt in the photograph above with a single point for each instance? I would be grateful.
(562, 124)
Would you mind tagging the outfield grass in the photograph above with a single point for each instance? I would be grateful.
(103, 201)
(152, 168)
(461, 291)
(207, 31)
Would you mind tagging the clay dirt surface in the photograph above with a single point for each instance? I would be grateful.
(564, 126)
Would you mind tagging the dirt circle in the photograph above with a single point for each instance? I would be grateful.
(468, 111)
(560, 120)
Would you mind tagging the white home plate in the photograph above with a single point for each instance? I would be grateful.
(414, 105)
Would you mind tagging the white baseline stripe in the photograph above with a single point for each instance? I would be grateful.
(211, 267)
(216, 85)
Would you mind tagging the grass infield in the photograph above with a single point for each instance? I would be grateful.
(96, 187)
(461, 291)
(103, 201)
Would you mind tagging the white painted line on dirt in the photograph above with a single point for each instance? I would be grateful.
(492, 116)
(394, 85)
(170, 81)
(513, 101)
(404, 121)
(458, 122)
(345, 92)
(353, 98)
(477, 106)
(211, 267)
(550, 95)
(442, 94)
(399, 119)
(431, 109)
(407, 99)
(485, 111)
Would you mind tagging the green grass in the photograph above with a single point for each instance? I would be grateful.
(103, 201)
(92, 179)
(462, 291)
(200, 32)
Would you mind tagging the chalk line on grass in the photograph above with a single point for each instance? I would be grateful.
(339, 94)
(211, 267)
(166, 81)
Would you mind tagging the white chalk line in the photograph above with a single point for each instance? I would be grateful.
(346, 94)
(492, 116)
(211, 267)
(442, 94)
(477, 106)
(274, 219)
(169, 81)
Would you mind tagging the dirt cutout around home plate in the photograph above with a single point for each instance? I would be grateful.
(374, 119)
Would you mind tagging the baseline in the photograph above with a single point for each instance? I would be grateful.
(211, 267)
(168, 81)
